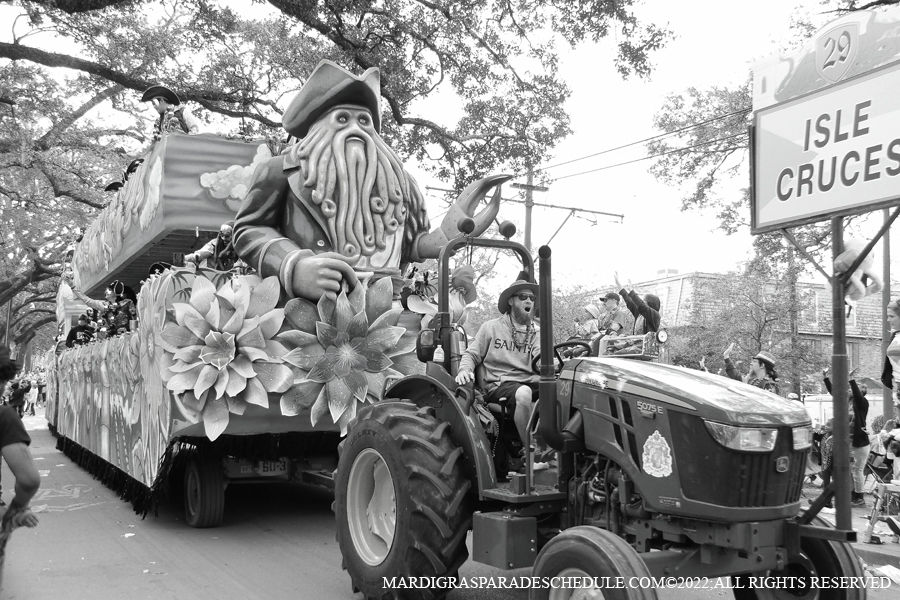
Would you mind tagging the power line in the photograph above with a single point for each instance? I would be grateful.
(628, 162)
(649, 139)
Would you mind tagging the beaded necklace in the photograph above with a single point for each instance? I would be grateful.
(520, 338)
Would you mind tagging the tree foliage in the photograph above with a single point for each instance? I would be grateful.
(73, 70)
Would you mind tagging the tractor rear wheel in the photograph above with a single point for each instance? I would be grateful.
(588, 552)
(204, 492)
(818, 558)
(400, 500)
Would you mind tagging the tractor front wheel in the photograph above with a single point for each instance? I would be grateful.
(817, 558)
(400, 500)
(584, 555)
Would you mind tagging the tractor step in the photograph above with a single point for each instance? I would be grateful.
(506, 493)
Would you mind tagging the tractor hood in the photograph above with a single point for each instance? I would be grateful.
(711, 396)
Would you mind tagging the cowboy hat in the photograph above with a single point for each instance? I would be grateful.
(518, 286)
(160, 91)
(463, 278)
(331, 85)
(765, 357)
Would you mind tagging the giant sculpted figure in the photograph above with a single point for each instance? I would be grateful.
(338, 205)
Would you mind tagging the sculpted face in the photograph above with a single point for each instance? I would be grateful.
(357, 181)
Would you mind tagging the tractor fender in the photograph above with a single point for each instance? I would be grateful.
(465, 426)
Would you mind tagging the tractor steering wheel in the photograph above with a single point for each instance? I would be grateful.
(536, 361)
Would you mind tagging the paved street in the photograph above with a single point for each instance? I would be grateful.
(277, 542)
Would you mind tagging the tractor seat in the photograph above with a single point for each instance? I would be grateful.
(500, 408)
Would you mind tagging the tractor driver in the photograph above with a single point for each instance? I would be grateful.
(505, 347)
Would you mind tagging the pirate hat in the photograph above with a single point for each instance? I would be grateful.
(160, 91)
(519, 286)
(331, 85)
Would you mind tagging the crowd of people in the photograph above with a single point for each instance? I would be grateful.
(26, 393)
(114, 315)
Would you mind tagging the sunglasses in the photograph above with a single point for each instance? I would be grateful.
(524, 297)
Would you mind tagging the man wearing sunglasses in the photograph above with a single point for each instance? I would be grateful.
(506, 346)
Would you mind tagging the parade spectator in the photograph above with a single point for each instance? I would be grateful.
(827, 451)
(17, 393)
(80, 334)
(31, 397)
(890, 375)
(217, 253)
(645, 310)
(14, 442)
(762, 370)
(505, 347)
(889, 439)
(859, 439)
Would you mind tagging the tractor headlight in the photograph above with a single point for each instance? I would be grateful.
(744, 439)
(662, 336)
(802, 437)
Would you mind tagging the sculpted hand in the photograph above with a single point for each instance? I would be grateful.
(323, 274)
(464, 377)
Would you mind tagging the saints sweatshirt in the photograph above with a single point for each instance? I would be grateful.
(493, 346)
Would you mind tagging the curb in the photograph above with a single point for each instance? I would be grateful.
(874, 557)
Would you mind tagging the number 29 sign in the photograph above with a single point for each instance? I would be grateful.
(836, 49)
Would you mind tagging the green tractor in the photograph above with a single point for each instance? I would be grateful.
(662, 472)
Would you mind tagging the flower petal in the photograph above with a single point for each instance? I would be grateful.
(242, 366)
(252, 338)
(274, 377)
(326, 334)
(301, 314)
(322, 371)
(215, 417)
(408, 364)
(325, 308)
(206, 379)
(236, 405)
(275, 351)
(358, 326)
(241, 295)
(379, 298)
(271, 322)
(222, 380)
(264, 297)
(237, 383)
(212, 315)
(339, 398)
(376, 360)
(300, 397)
(388, 319)
(357, 298)
(319, 408)
(182, 366)
(405, 345)
(249, 324)
(188, 354)
(344, 422)
(343, 312)
(176, 336)
(253, 353)
(358, 385)
(181, 309)
(226, 310)
(296, 338)
(202, 294)
(304, 358)
(236, 322)
(385, 338)
(184, 381)
(256, 393)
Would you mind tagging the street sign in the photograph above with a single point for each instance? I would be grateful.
(832, 152)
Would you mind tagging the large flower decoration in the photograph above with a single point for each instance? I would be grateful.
(344, 349)
(223, 352)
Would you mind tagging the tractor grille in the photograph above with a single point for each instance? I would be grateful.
(712, 473)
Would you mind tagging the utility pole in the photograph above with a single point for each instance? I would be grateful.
(887, 395)
(529, 202)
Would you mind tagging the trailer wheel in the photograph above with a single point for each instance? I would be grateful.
(400, 499)
(588, 552)
(204, 493)
(818, 558)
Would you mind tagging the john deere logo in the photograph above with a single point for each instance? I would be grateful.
(782, 463)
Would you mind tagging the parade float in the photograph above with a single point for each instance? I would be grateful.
(252, 373)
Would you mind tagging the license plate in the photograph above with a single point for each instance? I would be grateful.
(268, 468)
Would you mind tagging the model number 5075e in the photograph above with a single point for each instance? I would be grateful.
(647, 407)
